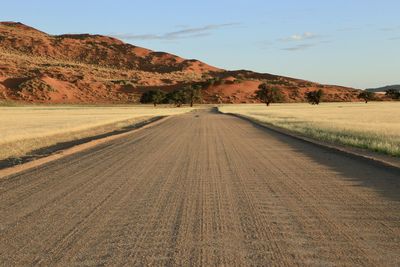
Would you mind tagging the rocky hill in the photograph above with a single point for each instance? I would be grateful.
(82, 68)
(383, 89)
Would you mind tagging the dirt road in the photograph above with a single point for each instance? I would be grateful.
(202, 189)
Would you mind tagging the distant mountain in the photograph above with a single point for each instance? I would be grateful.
(82, 68)
(384, 88)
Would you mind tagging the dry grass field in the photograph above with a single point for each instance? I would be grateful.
(374, 126)
(26, 128)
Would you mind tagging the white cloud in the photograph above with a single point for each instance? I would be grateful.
(298, 47)
(300, 37)
(180, 34)
(302, 41)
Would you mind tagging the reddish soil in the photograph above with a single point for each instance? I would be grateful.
(84, 68)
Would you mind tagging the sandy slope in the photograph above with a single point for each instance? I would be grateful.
(37, 67)
(202, 189)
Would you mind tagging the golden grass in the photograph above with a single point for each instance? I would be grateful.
(374, 126)
(27, 128)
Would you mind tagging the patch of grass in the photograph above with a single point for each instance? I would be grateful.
(27, 128)
(8, 103)
(374, 126)
(35, 84)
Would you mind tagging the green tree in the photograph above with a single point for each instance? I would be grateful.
(177, 97)
(268, 94)
(366, 96)
(314, 97)
(193, 93)
(393, 94)
(153, 96)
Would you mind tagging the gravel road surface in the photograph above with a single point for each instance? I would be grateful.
(202, 189)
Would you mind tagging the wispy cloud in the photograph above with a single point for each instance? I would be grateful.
(302, 41)
(299, 47)
(390, 29)
(300, 37)
(179, 34)
(395, 38)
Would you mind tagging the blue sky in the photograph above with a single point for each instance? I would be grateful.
(346, 42)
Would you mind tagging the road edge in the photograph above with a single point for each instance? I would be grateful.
(77, 148)
(367, 155)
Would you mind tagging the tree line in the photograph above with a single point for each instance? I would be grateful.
(268, 94)
(189, 94)
(370, 96)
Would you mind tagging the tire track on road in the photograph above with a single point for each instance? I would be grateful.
(202, 189)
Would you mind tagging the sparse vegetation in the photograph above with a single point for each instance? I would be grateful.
(193, 93)
(153, 96)
(32, 85)
(8, 103)
(26, 128)
(75, 72)
(314, 97)
(354, 124)
(99, 69)
(393, 94)
(268, 94)
(279, 81)
(124, 82)
(217, 98)
(366, 96)
(186, 95)
(177, 97)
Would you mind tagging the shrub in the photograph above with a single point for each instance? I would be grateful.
(268, 94)
(34, 85)
(366, 96)
(314, 97)
(193, 93)
(177, 97)
(393, 94)
(153, 96)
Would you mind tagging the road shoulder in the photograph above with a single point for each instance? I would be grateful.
(69, 148)
(364, 154)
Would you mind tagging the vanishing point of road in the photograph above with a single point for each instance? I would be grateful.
(202, 189)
